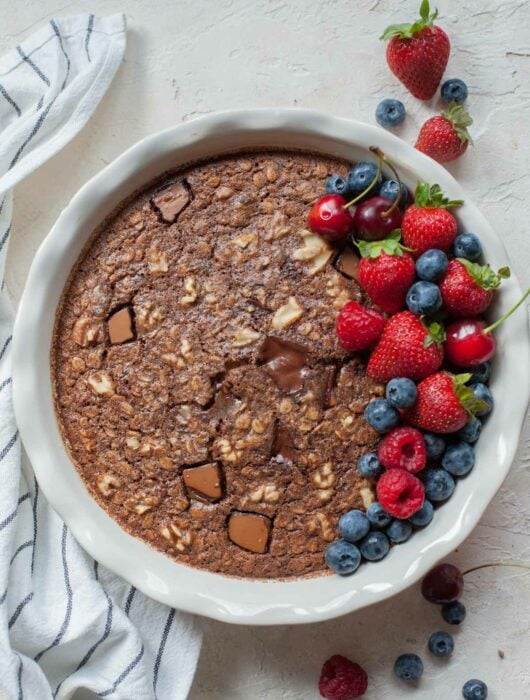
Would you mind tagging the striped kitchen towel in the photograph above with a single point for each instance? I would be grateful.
(66, 623)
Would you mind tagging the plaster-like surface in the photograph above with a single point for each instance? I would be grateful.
(185, 59)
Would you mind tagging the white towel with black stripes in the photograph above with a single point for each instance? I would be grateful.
(66, 623)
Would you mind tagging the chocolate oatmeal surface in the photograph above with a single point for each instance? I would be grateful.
(200, 387)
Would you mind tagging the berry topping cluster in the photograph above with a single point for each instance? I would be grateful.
(426, 287)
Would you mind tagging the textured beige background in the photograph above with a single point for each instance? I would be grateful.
(189, 58)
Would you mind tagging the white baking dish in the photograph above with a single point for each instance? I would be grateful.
(229, 599)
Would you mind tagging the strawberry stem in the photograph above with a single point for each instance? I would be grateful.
(374, 181)
(503, 318)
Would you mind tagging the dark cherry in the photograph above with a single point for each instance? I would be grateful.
(369, 220)
(330, 218)
(467, 345)
(443, 584)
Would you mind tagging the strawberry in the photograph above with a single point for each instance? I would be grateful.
(427, 223)
(467, 288)
(445, 137)
(417, 53)
(407, 348)
(386, 271)
(444, 403)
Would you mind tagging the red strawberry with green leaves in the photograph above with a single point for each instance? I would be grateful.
(467, 288)
(427, 223)
(407, 348)
(444, 403)
(386, 271)
(445, 137)
(417, 53)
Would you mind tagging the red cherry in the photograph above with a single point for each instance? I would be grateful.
(466, 343)
(443, 584)
(330, 218)
(370, 221)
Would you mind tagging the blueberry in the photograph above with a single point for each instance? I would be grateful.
(390, 189)
(435, 445)
(459, 459)
(369, 465)
(468, 246)
(374, 546)
(441, 644)
(335, 184)
(377, 515)
(482, 392)
(424, 298)
(408, 667)
(423, 516)
(471, 430)
(454, 90)
(439, 484)
(475, 690)
(481, 373)
(343, 557)
(454, 613)
(353, 525)
(390, 113)
(431, 265)
(399, 531)
(362, 175)
(401, 392)
(381, 415)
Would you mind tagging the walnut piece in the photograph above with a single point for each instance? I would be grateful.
(101, 384)
(148, 316)
(367, 496)
(226, 451)
(267, 493)
(179, 538)
(157, 262)
(190, 286)
(324, 477)
(107, 484)
(287, 314)
(279, 226)
(320, 523)
(245, 239)
(86, 331)
(315, 250)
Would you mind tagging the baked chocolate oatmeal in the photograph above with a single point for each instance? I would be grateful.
(200, 387)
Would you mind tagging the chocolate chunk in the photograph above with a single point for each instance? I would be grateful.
(285, 362)
(121, 326)
(171, 201)
(348, 263)
(249, 531)
(204, 482)
(283, 449)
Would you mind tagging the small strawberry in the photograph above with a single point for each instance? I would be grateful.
(386, 271)
(358, 327)
(467, 288)
(417, 53)
(427, 223)
(407, 348)
(445, 137)
(444, 403)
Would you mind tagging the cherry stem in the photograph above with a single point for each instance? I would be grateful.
(498, 322)
(379, 153)
(380, 157)
(493, 564)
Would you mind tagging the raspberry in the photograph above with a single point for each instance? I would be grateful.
(400, 493)
(358, 327)
(403, 448)
(341, 679)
